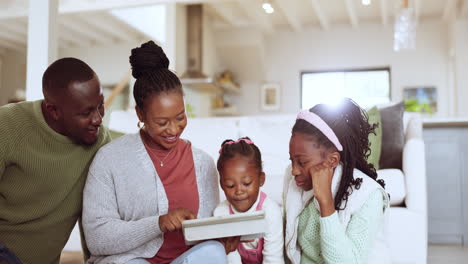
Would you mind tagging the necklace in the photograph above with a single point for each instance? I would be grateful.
(161, 161)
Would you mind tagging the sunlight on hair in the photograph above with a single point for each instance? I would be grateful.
(333, 93)
(334, 101)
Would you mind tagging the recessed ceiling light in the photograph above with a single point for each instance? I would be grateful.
(268, 7)
(366, 2)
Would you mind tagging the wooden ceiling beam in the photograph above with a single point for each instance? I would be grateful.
(323, 20)
(226, 14)
(417, 10)
(70, 39)
(449, 10)
(20, 9)
(12, 46)
(12, 37)
(289, 10)
(384, 12)
(100, 23)
(256, 14)
(352, 13)
(83, 29)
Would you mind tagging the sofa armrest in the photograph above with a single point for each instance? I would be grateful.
(414, 169)
(414, 127)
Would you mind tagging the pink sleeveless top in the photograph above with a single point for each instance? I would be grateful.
(252, 256)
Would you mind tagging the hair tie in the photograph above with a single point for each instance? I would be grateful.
(248, 141)
(318, 122)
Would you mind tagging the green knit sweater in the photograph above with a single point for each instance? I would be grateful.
(42, 175)
(325, 239)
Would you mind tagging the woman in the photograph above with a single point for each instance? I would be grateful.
(141, 187)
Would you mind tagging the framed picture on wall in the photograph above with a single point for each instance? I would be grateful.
(420, 99)
(270, 97)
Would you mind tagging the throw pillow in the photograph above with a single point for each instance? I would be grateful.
(393, 138)
(375, 140)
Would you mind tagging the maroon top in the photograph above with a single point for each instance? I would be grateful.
(178, 177)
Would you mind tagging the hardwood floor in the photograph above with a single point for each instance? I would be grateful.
(71, 257)
(437, 254)
(445, 254)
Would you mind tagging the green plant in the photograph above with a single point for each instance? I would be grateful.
(189, 110)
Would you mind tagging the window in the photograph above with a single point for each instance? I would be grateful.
(366, 87)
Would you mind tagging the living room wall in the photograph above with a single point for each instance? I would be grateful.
(460, 57)
(12, 75)
(288, 53)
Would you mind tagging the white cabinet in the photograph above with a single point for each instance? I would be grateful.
(447, 179)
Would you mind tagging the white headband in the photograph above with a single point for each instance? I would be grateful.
(318, 122)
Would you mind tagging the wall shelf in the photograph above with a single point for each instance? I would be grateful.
(225, 111)
(201, 84)
(229, 87)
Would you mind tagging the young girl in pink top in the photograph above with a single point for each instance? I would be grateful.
(241, 176)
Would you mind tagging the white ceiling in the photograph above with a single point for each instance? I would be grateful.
(300, 14)
(89, 22)
(74, 30)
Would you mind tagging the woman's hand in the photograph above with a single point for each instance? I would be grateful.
(321, 184)
(172, 221)
(230, 243)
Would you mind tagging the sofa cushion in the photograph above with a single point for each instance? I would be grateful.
(394, 185)
(273, 187)
(271, 135)
(375, 140)
(393, 138)
(208, 133)
(124, 121)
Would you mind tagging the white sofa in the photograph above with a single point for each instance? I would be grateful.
(406, 226)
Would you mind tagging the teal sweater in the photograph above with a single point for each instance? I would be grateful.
(42, 175)
(325, 239)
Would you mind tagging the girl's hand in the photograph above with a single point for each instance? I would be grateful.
(172, 221)
(321, 184)
(230, 243)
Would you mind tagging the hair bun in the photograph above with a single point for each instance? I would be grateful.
(147, 58)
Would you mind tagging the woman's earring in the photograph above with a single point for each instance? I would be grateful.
(139, 124)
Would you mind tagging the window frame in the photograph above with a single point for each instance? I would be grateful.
(384, 68)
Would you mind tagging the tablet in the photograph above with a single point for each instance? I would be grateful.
(249, 226)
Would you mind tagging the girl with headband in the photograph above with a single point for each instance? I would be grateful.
(241, 176)
(333, 202)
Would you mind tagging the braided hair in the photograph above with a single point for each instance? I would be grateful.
(351, 125)
(241, 148)
(150, 69)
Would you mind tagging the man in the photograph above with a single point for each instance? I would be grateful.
(46, 147)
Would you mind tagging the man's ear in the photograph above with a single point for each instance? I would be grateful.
(333, 159)
(53, 110)
(262, 178)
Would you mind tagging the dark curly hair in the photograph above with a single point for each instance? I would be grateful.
(242, 148)
(351, 125)
(150, 69)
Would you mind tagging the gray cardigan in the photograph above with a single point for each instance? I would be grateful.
(124, 197)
